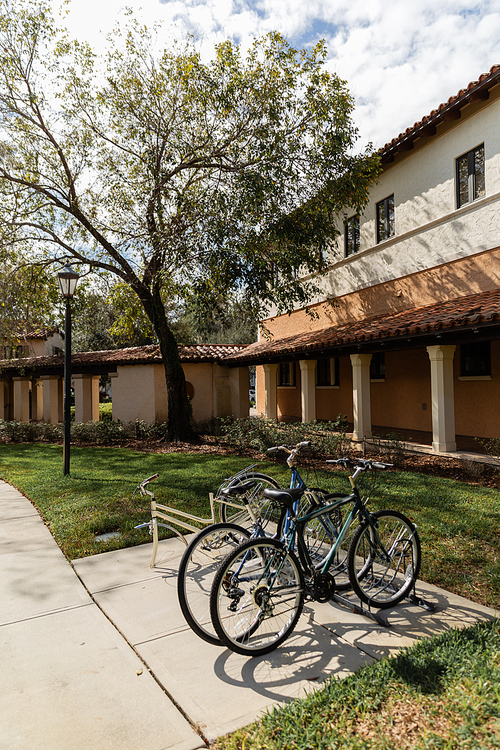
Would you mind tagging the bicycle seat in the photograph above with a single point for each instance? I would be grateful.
(284, 497)
(239, 489)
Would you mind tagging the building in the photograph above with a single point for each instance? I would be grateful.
(411, 343)
(31, 388)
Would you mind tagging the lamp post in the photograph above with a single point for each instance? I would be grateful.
(67, 283)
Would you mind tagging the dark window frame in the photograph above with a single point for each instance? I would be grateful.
(286, 374)
(377, 366)
(351, 236)
(324, 372)
(475, 188)
(475, 359)
(386, 216)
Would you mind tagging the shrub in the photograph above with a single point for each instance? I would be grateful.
(492, 448)
(257, 433)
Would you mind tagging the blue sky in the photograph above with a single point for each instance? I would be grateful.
(401, 59)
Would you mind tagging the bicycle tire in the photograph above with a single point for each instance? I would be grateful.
(257, 597)
(197, 569)
(381, 580)
(264, 509)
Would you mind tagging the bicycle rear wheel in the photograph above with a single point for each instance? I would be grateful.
(264, 510)
(384, 559)
(197, 569)
(257, 597)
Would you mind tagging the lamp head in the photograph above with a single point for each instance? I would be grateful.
(68, 280)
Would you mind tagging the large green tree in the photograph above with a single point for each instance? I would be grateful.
(177, 175)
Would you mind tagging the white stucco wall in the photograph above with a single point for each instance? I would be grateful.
(430, 230)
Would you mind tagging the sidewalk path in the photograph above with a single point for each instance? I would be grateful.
(72, 645)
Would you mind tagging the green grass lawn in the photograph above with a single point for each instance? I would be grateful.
(458, 523)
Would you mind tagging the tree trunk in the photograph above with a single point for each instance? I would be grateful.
(179, 428)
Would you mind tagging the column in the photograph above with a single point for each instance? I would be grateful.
(442, 396)
(308, 389)
(21, 399)
(221, 397)
(86, 397)
(361, 403)
(239, 384)
(271, 400)
(5, 399)
(36, 400)
(52, 399)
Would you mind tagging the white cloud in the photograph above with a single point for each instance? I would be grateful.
(400, 59)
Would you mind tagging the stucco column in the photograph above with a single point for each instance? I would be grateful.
(5, 399)
(361, 402)
(442, 395)
(221, 391)
(21, 399)
(271, 399)
(36, 400)
(239, 384)
(86, 398)
(52, 399)
(308, 389)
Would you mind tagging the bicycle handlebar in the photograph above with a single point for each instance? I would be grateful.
(361, 463)
(148, 480)
(290, 448)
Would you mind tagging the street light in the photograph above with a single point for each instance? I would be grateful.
(68, 280)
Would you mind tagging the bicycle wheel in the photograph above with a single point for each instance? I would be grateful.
(384, 559)
(320, 534)
(257, 597)
(197, 569)
(265, 510)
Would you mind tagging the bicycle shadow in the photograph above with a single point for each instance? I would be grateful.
(406, 622)
(311, 655)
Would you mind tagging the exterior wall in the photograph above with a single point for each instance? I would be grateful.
(477, 401)
(133, 394)
(332, 400)
(200, 377)
(460, 278)
(139, 392)
(399, 401)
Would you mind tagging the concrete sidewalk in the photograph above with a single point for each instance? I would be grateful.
(98, 655)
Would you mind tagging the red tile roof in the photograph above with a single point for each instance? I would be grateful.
(137, 355)
(476, 91)
(469, 311)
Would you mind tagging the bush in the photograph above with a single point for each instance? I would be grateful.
(106, 432)
(257, 433)
(492, 448)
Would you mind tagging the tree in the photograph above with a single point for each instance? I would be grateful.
(178, 176)
(28, 298)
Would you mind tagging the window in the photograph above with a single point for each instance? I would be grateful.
(286, 373)
(327, 371)
(351, 233)
(470, 176)
(475, 359)
(385, 219)
(377, 366)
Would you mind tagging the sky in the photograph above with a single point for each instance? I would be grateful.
(401, 59)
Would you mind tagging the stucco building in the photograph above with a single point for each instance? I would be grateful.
(412, 341)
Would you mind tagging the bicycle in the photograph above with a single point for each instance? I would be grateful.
(259, 591)
(231, 507)
(210, 546)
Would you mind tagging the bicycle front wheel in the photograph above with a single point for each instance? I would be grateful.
(197, 569)
(384, 559)
(257, 597)
(265, 511)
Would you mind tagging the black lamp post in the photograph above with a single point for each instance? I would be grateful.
(67, 283)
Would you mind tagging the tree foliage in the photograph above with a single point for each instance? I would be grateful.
(177, 175)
